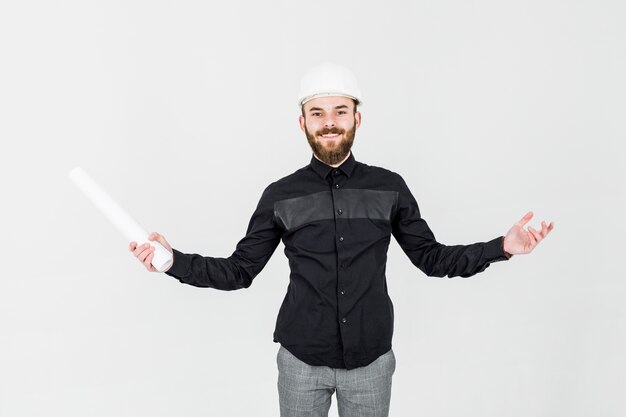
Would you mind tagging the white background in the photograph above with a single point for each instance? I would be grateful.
(184, 111)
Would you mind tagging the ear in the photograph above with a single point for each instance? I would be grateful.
(357, 119)
(301, 121)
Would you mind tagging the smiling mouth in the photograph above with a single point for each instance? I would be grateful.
(331, 136)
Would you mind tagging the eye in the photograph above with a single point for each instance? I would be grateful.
(316, 114)
(342, 112)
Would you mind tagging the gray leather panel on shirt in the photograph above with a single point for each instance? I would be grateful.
(353, 203)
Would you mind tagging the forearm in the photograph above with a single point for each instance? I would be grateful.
(438, 260)
(227, 274)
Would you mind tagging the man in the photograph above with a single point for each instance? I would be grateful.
(335, 217)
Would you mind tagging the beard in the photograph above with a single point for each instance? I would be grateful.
(331, 153)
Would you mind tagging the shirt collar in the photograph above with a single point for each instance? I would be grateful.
(323, 170)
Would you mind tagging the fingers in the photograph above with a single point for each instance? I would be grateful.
(148, 261)
(545, 228)
(145, 254)
(161, 239)
(542, 232)
(535, 234)
(525, 219)
(141, 250)
(156, 236)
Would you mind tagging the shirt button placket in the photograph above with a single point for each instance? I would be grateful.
(342, 265)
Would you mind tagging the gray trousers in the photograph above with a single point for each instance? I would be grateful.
(306, 391)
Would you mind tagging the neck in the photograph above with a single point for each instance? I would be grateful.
(336, 165)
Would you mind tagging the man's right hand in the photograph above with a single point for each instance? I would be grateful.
(145, 252)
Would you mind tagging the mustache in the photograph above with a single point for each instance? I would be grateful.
(333, 131)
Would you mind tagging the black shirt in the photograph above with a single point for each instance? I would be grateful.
(336, 225)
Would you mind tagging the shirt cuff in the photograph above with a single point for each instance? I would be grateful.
(508, 255)
(494, 250)
(180, 266)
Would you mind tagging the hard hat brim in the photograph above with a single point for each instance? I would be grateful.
(309, 98)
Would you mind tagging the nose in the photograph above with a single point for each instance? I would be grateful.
(329, 122)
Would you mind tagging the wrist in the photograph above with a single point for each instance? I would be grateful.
(507, 254)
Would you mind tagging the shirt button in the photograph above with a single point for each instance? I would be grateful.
(343, 265)
(343, 293)
(341, 238)
(336, 172)
(344, 320)
(339, 211)
(336, 185)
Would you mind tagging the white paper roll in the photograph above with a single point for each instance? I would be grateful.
(121, 220)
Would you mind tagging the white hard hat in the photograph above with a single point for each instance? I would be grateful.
(328, 80)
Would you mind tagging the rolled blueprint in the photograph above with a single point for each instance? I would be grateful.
(121, 219)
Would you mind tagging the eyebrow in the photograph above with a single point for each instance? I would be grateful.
(342, 106)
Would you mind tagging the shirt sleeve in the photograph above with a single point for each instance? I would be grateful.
(433, 258)
(238, 270)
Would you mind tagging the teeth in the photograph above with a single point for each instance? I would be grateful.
(330, 135)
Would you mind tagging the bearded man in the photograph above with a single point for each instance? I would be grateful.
(336, 216)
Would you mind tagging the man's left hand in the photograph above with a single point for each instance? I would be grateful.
(520, 241)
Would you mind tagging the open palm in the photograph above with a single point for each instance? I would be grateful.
(520, 241)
